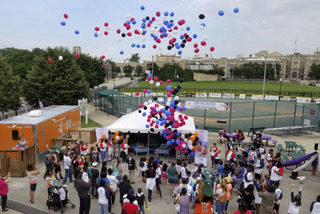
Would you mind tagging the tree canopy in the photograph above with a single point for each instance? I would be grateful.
(134, 57)
(61, 82)
(314, 72)
(256, 71)
(127, 69)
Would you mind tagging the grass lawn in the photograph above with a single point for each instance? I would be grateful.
(237, 85)
(90, 124)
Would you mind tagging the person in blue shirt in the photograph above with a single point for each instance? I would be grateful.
(239, 173)
(220, 168)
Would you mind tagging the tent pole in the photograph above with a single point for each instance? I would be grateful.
(148, 143)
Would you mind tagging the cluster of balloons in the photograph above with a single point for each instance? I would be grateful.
(118, 137)
(50, 60)
(185, 142)
(235, 10)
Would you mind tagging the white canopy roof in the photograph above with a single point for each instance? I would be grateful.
(135, 122)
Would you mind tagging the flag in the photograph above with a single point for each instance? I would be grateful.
(25, 108)
(41, 105)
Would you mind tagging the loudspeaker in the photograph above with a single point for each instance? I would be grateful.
(316, 146)
(294, 175)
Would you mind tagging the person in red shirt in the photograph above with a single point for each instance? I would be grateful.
(4, 189)
(130, 208)
(213, 154)
(243, 208)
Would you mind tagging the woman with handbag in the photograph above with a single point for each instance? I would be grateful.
(221, 193)
(32, 172)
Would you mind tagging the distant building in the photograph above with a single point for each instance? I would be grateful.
(77, 50)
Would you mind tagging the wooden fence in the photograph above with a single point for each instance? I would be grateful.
(16, 161)
(75, 135)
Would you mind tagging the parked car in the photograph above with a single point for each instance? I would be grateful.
(312, 84)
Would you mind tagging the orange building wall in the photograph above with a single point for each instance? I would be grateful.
(6, 135)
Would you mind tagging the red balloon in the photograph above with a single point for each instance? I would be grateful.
(155, 79)
(144, 90)
(103, 57)
(137, 93)
(128, 27)
(129, 34)
(170, 90)
(170, 41)
(140, 105)
(203, 43)
(158, 13)
(168, 81)
(170, 30)
(158, 40)
(195, 45)
(153, 19)
(65, 16)
(175, 28)
(106, 33)
(149, 24)
(154, 46)
(118, 31)
(49, 60)
(156, 126)
(76, 55)
(186, 117)
(161, 83)
(149, 78)
(131, 19)
(189, 39)
(125, 24)
(96, 29)
(196, 50)
(168, 94)
(212, 49)
(106, 24)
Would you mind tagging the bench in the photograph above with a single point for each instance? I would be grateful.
(302, 149)
(259, 129)
(285, 158)
(280, 147)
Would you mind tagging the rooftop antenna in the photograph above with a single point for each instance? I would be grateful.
(295, 46)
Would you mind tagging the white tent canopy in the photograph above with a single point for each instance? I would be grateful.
(135, 122)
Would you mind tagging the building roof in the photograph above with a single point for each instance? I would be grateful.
(48, 113)
(108, 92)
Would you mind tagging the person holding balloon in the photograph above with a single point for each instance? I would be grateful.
(103, 150)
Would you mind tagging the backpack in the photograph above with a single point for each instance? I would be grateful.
(141, 164)
(124, 211)
(223, 198)
(150, 173)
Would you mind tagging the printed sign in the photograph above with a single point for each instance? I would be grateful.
(207, 105)
(82, 101)
(256, 97)
(101, 131)
(188, 95)
(242, 96)
(200, 159)
(232, 96)
(203, 136)
(317, 100)
(287, 98)
(270, 97)
(213, 95)
(303, 100)
(201, 94)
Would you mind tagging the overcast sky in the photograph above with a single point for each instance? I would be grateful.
(270, 24)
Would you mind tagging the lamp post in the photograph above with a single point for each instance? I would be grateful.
(280, 86)
(264, 75)
(177, 79)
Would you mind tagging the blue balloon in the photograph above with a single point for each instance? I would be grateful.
(165, 22)
(168, 87)
(221, 13)
(236, 10)
(172, 14)
(179, 52)
(138, 46)
(133, 45)
(152, 35)
(142, 7)
(203, 24)
(187, 147)
(164, 34)
(134, 22)
(128, 22)
(144, 114)
(163, 110)
(178, 108)
(149, 75)
(168, 143)
(143, 25)
(144, 31)
(148, 91)
(178, 133)
(177, 142)
(166, 13)
(181, 36)
(184, 108)
(76, 32)
(165, 136)
(144, 20)
(147, 126)
(150, 21)
(121, 52)
(192, 153)
(188, 28)
(63, 23)
(194, 36)
(143, 46)
(178, 46)
(96, 35)
(157, 122)
(164, 102)
(172, 140)
(163, 131)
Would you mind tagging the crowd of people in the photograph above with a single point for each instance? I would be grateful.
(248, 172)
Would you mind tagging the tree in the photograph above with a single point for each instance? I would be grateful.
(61, 82)
(115, 69)
(314, 72)
(139, 70)
(93, 68)
(256, 71)
(134, 58)
(127, 69)
(9, 88)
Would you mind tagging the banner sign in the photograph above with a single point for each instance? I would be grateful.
(232, 96)
(207, 105)
(129, 94)
(303, 100)
(200, 159)
(101, 131)
(256, 97)
(203, 136)
(242, 96)
(317, 100)
(188, 95)
(286, 98)
(160, 94)
(150, 95)
(270, 97)
(213, 95)
(201, 94)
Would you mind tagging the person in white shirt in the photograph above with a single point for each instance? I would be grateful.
(185, 185)
(67, 168)
(248, 177)
(103, 201)
(183, 170)
(158, 180)
(279, 193)
(113, 183)
(295, 202)
(258, 167)
(276, 172)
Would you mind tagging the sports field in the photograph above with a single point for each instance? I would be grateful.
(237, 86)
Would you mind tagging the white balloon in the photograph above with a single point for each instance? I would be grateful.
(185, 140)
(146, 103)
(60, 57)
(128, 16)
(183, 145)
(156, 33)
(160, 99)
(167, 103)
(119, 39)
(117, 138)
(149, 101)
(108, 28)
(190, 147)
(154, 119)
(175, 31)
(127, 136)
(201, 27)
(169, 99)
(190, 142)
(157, 19)
(158, 84)
(182, 136)
(205, 37)
(147, 72)
(99, 33)
(158, 109)
(181, 28)
(151, 82)
(176, 97)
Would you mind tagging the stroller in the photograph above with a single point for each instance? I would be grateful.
(59, 198)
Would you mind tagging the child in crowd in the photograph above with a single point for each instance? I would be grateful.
(144, 167)
(279, 193)
(213, 150)
(258, 167)
(295, 202)
(248, 177)
(164, 175)
(141, 200)
(85, 175)
(188, 176)
(262, 151)
(315, 206)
